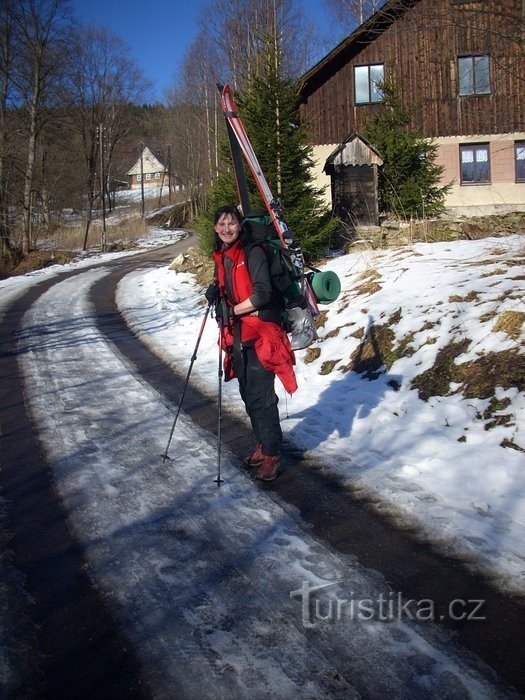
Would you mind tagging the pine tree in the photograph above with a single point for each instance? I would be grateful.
(269, 113)
(271, 118)
(409, 178)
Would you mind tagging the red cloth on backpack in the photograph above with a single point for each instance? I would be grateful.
(270, 340)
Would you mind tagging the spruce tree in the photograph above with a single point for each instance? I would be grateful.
(409, 178)
(268, 109)
(271, 118)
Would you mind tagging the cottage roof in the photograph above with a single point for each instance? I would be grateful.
(150, 164)
(355, 150)
(379, 22)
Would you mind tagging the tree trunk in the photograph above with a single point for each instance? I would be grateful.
(30, 168)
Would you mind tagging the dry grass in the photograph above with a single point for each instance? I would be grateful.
(311, 355)
(510, 322)
(368, 288)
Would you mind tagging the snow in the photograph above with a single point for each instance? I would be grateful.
(209, 584)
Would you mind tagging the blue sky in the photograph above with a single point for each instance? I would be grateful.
(158, 33)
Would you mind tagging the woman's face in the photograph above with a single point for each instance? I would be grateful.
(228, 229)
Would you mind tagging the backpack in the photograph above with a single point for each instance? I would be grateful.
(286, 283)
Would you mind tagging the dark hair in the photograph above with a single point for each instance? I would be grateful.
(221, 211)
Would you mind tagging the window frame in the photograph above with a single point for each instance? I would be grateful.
(475, 147)
(370, 84)
(472, 58)
(519, 145)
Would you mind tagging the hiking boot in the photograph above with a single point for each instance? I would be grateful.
(255, 459)
(269, 469)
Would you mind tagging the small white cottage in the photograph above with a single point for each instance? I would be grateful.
(150, 168)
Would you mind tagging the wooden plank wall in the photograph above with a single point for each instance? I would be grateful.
(420, 51)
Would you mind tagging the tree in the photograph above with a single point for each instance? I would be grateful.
(194, 120)
(409, 177)
(6, 61)
(352, 13)
(40, 28)
(103, 82)
(268, 108)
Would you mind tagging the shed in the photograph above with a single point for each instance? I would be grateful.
(353, 168)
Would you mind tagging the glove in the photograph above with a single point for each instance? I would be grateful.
(213, 293)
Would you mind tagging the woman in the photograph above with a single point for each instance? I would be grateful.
(256, 346)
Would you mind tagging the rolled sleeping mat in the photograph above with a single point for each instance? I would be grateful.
(326, 286)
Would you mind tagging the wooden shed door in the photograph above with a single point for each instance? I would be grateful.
(354, 194)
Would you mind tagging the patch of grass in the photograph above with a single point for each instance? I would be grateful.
(493, 413)
(497, 271)
(328, 366)
(436, 380)
(311, 355)
(510, 322)
(368, 288)
(369, 274)
(395, 317)
(335, 332)
(370, 356)
(471, 296)
(37, 260)
(320, 319)
(488, 316)
(505, 369)
(512, 445)
(477, 378)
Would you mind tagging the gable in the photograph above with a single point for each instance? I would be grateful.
(150, 164)
(421, 46)
(350, 47)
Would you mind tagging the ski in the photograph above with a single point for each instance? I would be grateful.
(303, 332)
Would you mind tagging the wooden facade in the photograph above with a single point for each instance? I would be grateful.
(419, 42)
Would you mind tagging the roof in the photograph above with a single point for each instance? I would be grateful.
(355, 150)
(150, 164)
(367, 32)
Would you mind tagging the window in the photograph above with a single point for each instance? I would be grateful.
(148, 176)
(139, 178)
(367, 80)
(475, 166)
(157, 176)
(519, 151)
(474, 77)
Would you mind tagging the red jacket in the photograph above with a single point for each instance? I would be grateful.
(270, 340)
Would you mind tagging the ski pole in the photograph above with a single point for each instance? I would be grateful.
(218, 480)
(193, 358)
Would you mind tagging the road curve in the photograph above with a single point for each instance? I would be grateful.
(97, 657)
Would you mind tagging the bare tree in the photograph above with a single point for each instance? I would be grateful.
(103, 82)
(40, 28)
(6, 60)
(239, 29)
(352, 13)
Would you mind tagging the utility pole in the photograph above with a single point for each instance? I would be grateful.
(103, 240)
(142, 180)
(169, 171)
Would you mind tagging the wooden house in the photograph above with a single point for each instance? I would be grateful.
(151, 170)
(461, 63)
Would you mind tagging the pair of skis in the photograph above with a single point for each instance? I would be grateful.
(302, 327)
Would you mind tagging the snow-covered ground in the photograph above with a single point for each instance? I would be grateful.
(432, 463)
(214, 587)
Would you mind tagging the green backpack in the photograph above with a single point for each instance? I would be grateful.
(286, 283)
